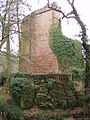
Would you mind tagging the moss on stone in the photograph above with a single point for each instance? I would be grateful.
(44, 101)
(22, 91)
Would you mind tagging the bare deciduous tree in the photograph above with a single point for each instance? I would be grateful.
(11, 14)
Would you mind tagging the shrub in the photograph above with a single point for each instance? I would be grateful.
(22, 91)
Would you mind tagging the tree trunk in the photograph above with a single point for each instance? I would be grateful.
(8, 48)
(18, 27)
(87, 77)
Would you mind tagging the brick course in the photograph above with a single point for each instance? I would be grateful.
(36, 55)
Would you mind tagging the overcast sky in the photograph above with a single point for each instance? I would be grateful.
(71, 29)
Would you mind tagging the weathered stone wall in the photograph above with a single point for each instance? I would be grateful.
(47, 91)
(36, 55)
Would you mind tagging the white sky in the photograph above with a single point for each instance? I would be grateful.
(71, 29)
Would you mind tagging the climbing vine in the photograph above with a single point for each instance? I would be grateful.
(68, 51)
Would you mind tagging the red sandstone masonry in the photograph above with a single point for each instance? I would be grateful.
(37, 57)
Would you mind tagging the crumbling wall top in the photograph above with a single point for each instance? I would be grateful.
(54, 5)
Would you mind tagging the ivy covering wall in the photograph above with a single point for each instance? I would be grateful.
(68, 51)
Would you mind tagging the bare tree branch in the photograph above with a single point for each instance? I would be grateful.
(56, 9)
(72, 14)
(72, 1)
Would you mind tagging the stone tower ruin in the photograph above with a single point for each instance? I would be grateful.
(35, 53)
